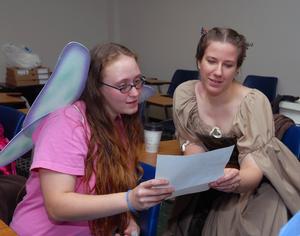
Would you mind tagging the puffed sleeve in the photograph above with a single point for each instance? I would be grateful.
(185, 112)
(253, 123)
(61, 143)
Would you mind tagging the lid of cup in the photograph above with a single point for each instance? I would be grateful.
(156, 126)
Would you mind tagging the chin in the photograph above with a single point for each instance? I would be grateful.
(130, 111)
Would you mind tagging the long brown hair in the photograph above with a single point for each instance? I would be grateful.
(108, 156)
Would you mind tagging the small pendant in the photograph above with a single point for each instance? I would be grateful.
(216, 132)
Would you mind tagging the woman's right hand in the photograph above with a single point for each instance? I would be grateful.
(150, 193)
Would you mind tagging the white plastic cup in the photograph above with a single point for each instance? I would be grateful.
(152, 136)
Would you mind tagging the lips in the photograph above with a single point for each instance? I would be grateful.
(214, 83)
(132, 102)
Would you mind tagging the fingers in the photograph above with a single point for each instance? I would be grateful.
(150, 193)
(229, 182)
(155, 183)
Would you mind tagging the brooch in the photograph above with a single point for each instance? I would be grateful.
(216, 132)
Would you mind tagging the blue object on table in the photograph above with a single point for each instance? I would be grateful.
(292, 227)
(291, 139)
(148, 219)
(266, 84)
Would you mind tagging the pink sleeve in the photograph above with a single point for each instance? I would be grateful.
(60, 143)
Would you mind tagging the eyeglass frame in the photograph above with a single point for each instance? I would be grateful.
(142, 78)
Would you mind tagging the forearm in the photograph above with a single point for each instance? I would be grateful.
(74, 206)
(250, 176)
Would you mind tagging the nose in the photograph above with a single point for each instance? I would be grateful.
(219, 69)
(134, 92)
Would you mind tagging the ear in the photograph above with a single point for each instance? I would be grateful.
(198, 64)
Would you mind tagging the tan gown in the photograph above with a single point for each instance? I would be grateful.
(262, 212)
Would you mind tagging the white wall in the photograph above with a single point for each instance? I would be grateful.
(46, 26)
(165, 34)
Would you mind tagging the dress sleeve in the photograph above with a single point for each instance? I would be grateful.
(60, 143)
(254, 124)
(185, 113)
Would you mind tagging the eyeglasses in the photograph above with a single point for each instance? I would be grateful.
(137, 83)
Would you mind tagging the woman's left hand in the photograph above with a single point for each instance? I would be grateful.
(229, 182)
(132, 229)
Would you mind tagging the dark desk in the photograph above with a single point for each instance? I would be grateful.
(156, 82)
(30, 92)
(161, 101)
(11, 100)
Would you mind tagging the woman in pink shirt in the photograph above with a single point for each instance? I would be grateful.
(85, 167)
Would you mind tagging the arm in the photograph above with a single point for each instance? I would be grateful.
(63, 204)
(239, 181)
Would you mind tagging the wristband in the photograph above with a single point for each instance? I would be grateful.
(130, 207)
(184, 145)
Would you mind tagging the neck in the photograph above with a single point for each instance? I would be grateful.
(220, 99)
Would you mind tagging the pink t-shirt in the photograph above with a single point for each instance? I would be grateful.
(60, 145)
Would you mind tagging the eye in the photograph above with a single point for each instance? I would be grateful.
(123, 86)
(210, 61)
(228, 65)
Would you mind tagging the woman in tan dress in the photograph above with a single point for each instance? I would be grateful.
(260, 188)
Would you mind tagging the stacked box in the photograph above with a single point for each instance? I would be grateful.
(26, 77)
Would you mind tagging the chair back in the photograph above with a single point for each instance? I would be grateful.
(148, 219)
(181, 76)
(147, 91)
(12, 120)
(266, 84)
(291, 139)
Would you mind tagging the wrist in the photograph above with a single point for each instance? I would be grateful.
(129, 204)
(184, 145)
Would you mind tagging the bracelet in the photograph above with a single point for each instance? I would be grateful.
(184, 145)
(130, 207)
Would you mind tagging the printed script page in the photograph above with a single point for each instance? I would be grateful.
(192, 173)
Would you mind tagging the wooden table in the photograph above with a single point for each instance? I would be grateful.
(161, 101)
(169, 147)
(157, 82)
(5, 230)
(11, 100)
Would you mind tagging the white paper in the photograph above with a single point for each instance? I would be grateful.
(192, 173)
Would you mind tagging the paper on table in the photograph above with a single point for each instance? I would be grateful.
(192, 173)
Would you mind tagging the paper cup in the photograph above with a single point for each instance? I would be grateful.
(152, 136)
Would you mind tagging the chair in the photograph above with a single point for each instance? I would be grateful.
(12, 120)
(291, 139)
(291, 228)
(179, 77)
(147, 92)
(266, 84)
(148, 218)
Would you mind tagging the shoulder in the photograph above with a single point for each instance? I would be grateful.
(254, 99)
(72, 112)
(185, 92)
(65, 118)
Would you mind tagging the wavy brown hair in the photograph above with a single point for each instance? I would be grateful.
(109, 154)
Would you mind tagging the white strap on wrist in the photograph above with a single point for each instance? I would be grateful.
(184, 145)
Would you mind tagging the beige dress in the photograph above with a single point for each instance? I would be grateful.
(261, 212)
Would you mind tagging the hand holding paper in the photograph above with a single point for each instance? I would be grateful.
(192, 173)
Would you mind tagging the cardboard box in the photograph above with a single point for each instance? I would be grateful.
(26, 77)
